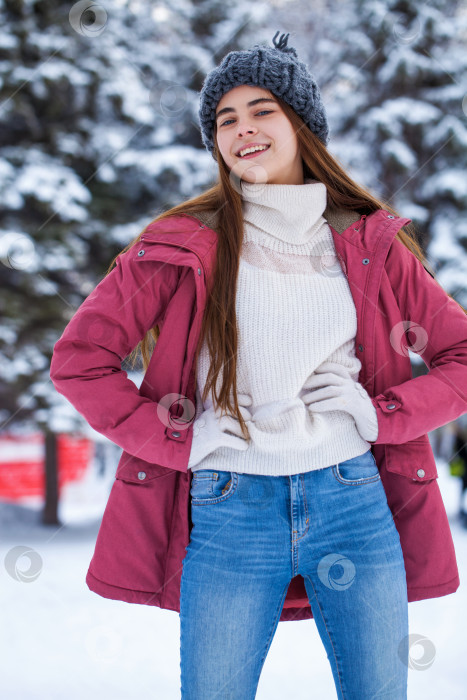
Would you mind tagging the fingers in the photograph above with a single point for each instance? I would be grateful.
(235, 442)
(246, 415)
(335, 404)
(227, 423)
(327, 392)
(244, 399)
(325, 379)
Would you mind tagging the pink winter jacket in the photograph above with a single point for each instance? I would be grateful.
(164, 279)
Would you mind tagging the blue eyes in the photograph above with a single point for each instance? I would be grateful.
(264, 111)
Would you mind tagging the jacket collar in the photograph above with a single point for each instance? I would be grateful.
(339, 219)
(368, 232)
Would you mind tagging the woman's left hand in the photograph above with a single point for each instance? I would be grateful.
(340, 392)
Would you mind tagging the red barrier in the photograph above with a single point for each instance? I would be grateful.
(22, 463)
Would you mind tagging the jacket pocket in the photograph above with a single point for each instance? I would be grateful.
(138, 472)
(414, 460)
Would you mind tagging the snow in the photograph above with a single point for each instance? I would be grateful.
(415, 212)
(7, 334)
(124, 233)
(182, 160)
(58, 186)
(400, 153)
(58, 639)
(30, 359)
(443, 246)
(17, 250)
(448, 128)
(93, 150)
(11, 198)
(47, 180)
(106, 140)
(8, 42)
(452, 182)
(55, 69)
(135, 97)
(160, 14)
(48, 41)
(392, 113)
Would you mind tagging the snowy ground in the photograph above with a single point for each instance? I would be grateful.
(58, 640)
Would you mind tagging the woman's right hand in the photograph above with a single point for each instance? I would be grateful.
(211, 430)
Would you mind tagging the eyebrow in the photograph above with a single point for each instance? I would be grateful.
(249, 104)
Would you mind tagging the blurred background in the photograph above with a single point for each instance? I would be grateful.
(98, 135)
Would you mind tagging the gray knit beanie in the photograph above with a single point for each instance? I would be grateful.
(276, 69)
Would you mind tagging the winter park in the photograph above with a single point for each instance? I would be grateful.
(112, 460)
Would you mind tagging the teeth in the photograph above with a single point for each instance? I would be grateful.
(252, 149)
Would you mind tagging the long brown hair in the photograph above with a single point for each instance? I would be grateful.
(219, 326)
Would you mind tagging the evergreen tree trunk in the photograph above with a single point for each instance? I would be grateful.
(50, 513)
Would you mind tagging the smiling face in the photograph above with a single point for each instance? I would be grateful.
(251, 116)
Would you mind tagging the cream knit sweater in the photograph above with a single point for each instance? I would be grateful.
(294, 312)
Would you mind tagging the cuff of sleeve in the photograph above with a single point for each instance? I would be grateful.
(386, 409)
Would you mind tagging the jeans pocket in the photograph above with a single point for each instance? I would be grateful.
(358, 470)
(212, 486)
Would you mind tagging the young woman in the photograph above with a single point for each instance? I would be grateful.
(276, 463)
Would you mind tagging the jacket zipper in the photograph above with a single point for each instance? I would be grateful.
(174, 245)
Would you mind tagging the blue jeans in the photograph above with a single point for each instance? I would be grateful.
(251, 535)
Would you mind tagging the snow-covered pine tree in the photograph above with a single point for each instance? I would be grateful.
(393, 78)
(99, 134)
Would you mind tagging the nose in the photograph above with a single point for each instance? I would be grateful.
(245, 128)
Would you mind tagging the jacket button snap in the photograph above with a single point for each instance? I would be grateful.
(140, 252)
(199, 270)
(141, 475)
(365, 261)
(360, 347)
(176, 434)
(390, 405)
(421, 473)
(390, 216)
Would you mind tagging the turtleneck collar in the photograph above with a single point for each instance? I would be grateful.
(291, 213)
